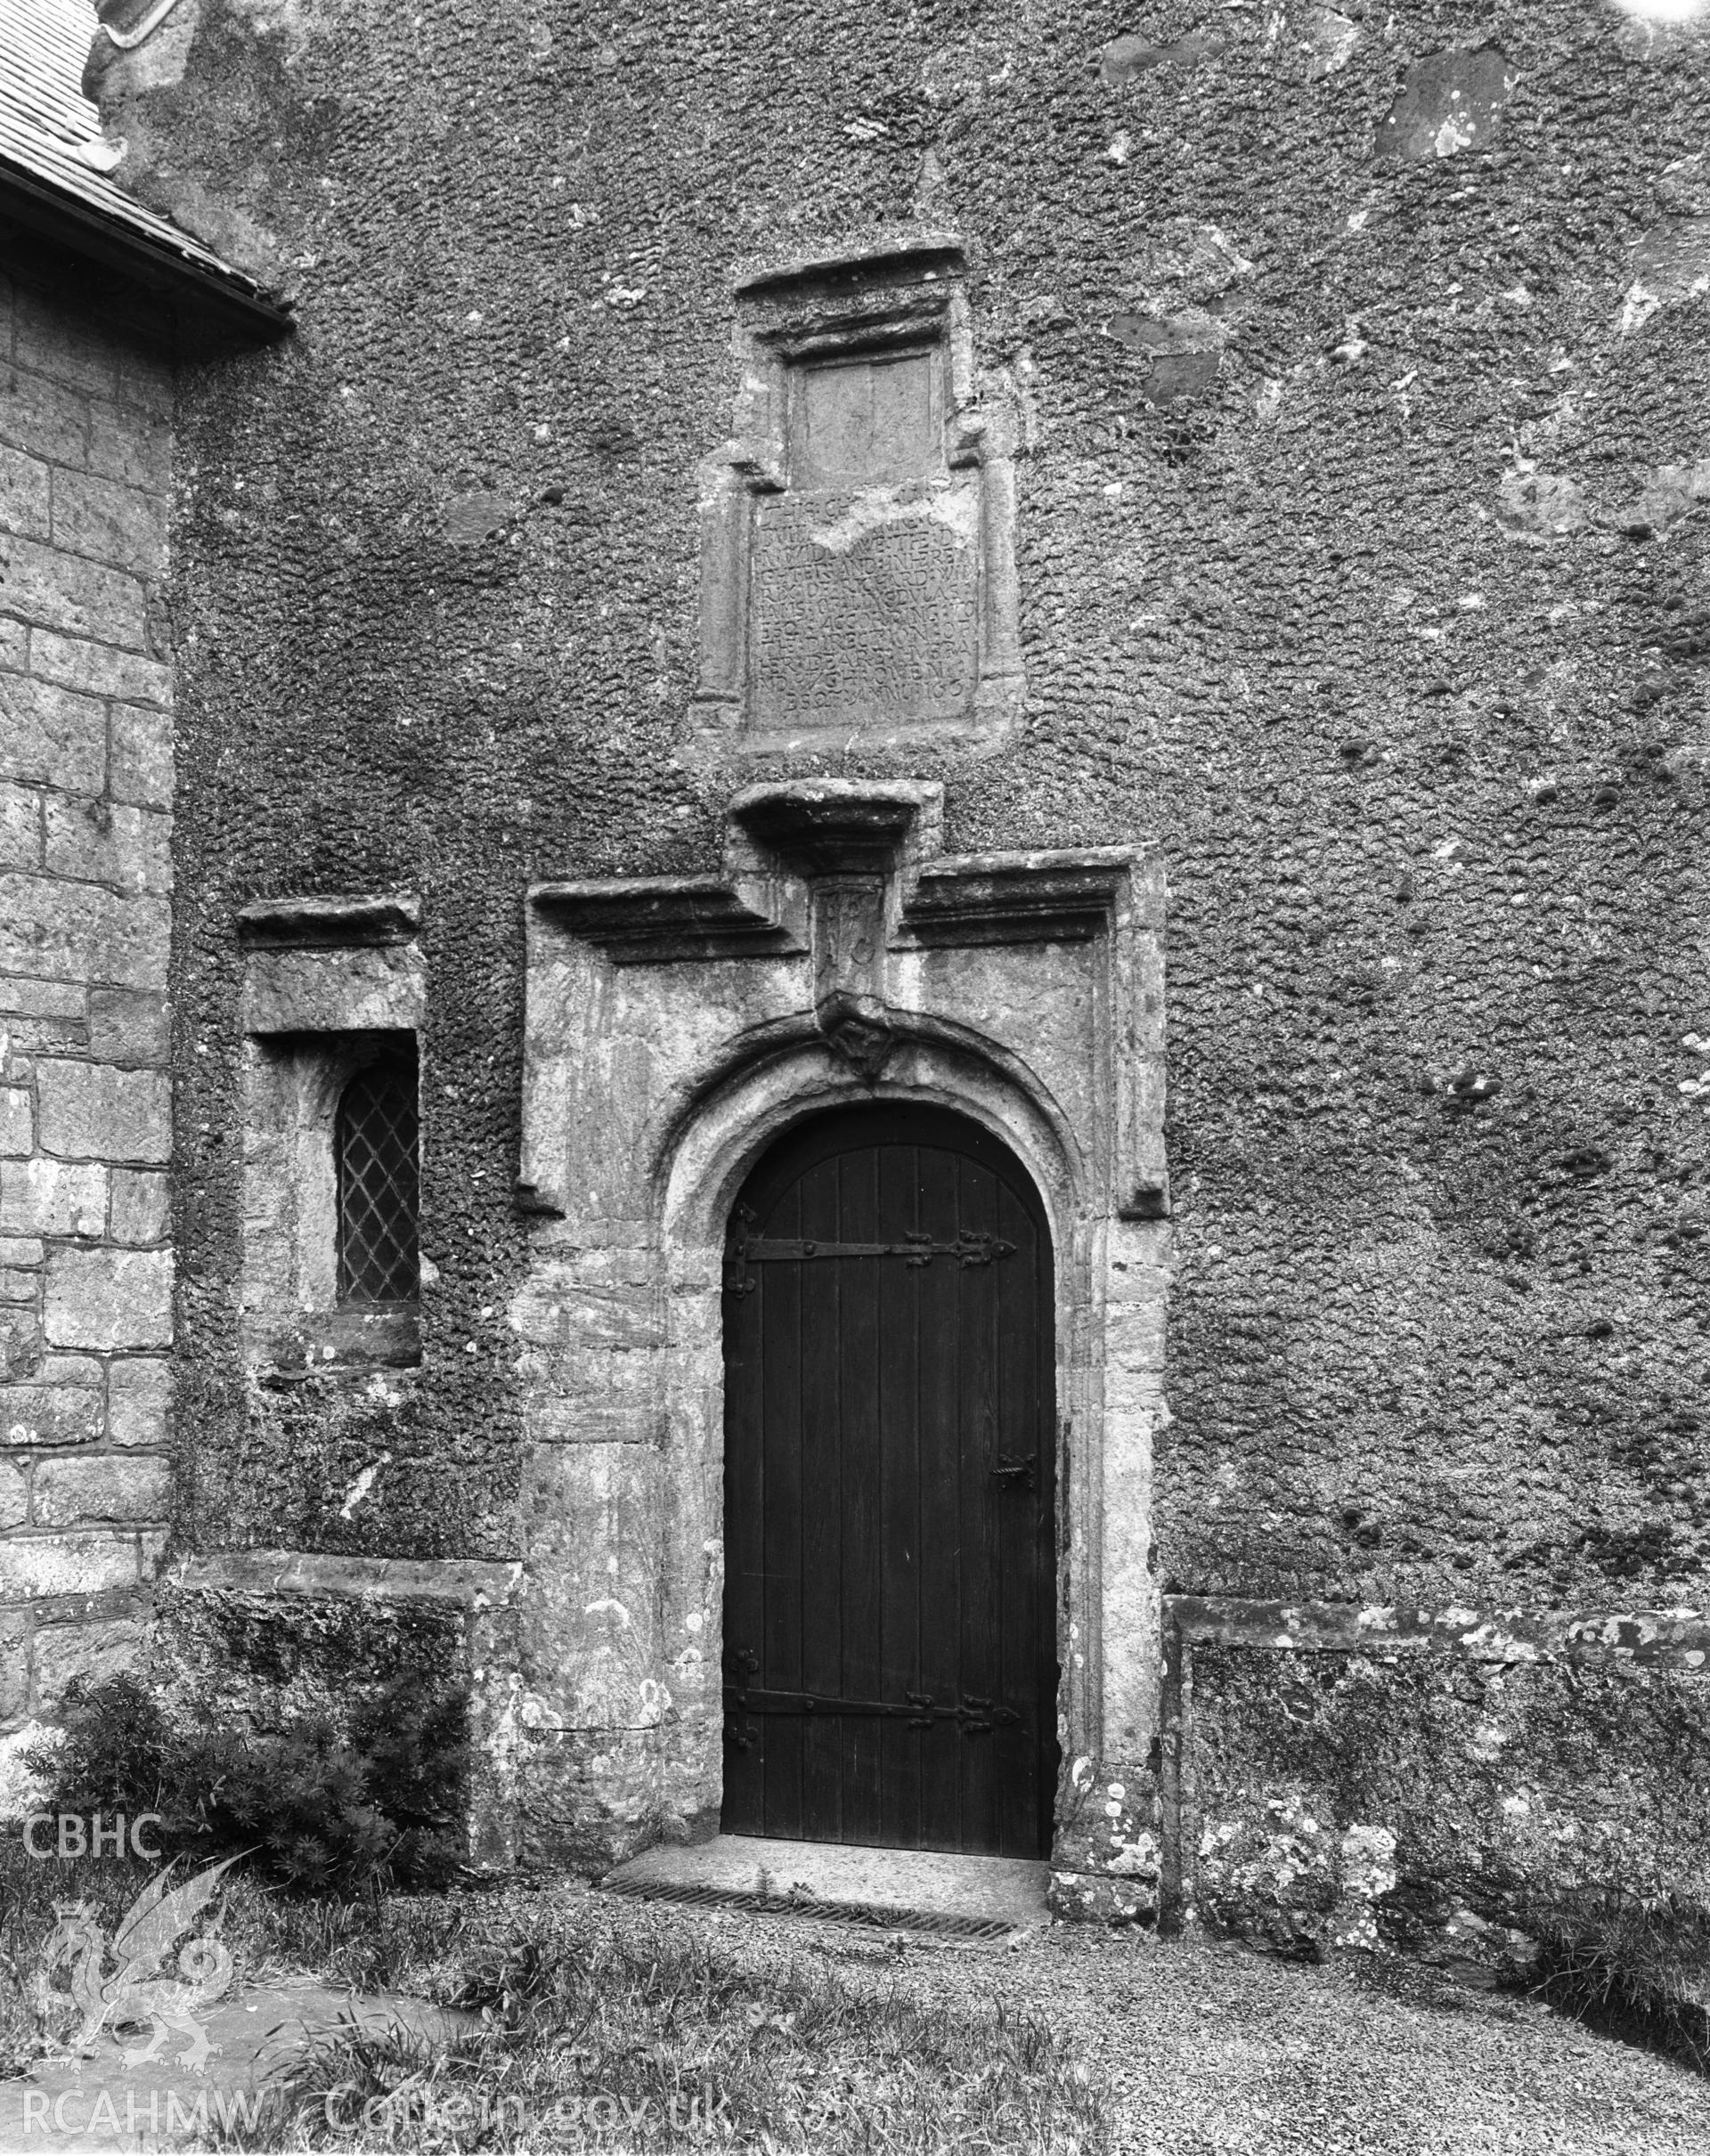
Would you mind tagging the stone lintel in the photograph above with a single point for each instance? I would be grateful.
(458, 1582)
(664, 920)
(322, 922)
(1672, 1638)
(334, 987)
(1018, 898)
(906, 255)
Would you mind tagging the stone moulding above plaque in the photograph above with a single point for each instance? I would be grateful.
(857, 559)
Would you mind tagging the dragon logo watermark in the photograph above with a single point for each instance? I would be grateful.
(137, 1989)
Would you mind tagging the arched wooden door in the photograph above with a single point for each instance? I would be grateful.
(890, 1649)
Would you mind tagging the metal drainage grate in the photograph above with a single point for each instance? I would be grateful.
(802, 1904)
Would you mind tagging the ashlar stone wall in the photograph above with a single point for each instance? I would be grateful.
(86, 800)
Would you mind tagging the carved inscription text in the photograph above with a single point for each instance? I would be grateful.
(877, 632)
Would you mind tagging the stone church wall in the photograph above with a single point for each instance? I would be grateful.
(86, 800)
(1359, 364)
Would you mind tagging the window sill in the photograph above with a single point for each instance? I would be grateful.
(360, 1337)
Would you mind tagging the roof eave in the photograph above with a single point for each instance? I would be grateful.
(213, 311)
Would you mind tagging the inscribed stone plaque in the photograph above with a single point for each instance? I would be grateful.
(865, 575)
(857, 569)
(861, 621)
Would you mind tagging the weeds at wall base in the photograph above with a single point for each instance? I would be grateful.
(1631, 1966)
(316, 1809)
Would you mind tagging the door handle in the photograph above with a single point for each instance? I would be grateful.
(1018, 1473)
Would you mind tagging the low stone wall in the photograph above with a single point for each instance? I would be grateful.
(257, 1636)
(1430, 1780)
(86, 795)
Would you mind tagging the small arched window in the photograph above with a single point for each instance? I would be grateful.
(379, 1253)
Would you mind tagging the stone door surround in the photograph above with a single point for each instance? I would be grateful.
(675, 1026)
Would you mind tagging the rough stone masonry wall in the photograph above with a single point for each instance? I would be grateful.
(1364, 570)
(1352, 1778)
(85, 793)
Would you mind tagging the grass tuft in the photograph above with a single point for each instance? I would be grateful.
(592, 2033)
(584, 2020)
(1629, 1965)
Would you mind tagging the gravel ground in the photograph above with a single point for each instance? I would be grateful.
(1210, 2050)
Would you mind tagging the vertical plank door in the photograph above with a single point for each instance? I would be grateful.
(890, 1648)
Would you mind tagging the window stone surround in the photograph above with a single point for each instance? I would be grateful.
(330, 985)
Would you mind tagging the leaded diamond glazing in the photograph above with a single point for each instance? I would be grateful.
(378, 1260)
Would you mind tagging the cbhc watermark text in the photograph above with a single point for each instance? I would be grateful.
(69, 1834)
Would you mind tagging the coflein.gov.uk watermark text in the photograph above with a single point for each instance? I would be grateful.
(598, 2116)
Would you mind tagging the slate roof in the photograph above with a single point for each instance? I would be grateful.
(52, 156)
